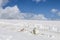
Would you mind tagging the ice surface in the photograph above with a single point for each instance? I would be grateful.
(29, 30)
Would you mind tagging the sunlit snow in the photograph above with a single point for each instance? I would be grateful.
(29, 30)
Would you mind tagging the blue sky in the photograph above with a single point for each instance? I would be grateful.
(37, 7)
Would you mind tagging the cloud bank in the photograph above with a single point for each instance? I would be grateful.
(15, 13)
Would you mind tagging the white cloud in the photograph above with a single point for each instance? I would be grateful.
(15, 13)
(37, 1)
(59, 13)
(3, 2)
(9, 12)
(56, 11)
(39, 17)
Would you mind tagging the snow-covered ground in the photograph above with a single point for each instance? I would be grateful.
(29, 30)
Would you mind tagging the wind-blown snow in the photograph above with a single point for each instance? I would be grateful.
(23, 30)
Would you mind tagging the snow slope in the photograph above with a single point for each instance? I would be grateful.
(29, 30)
